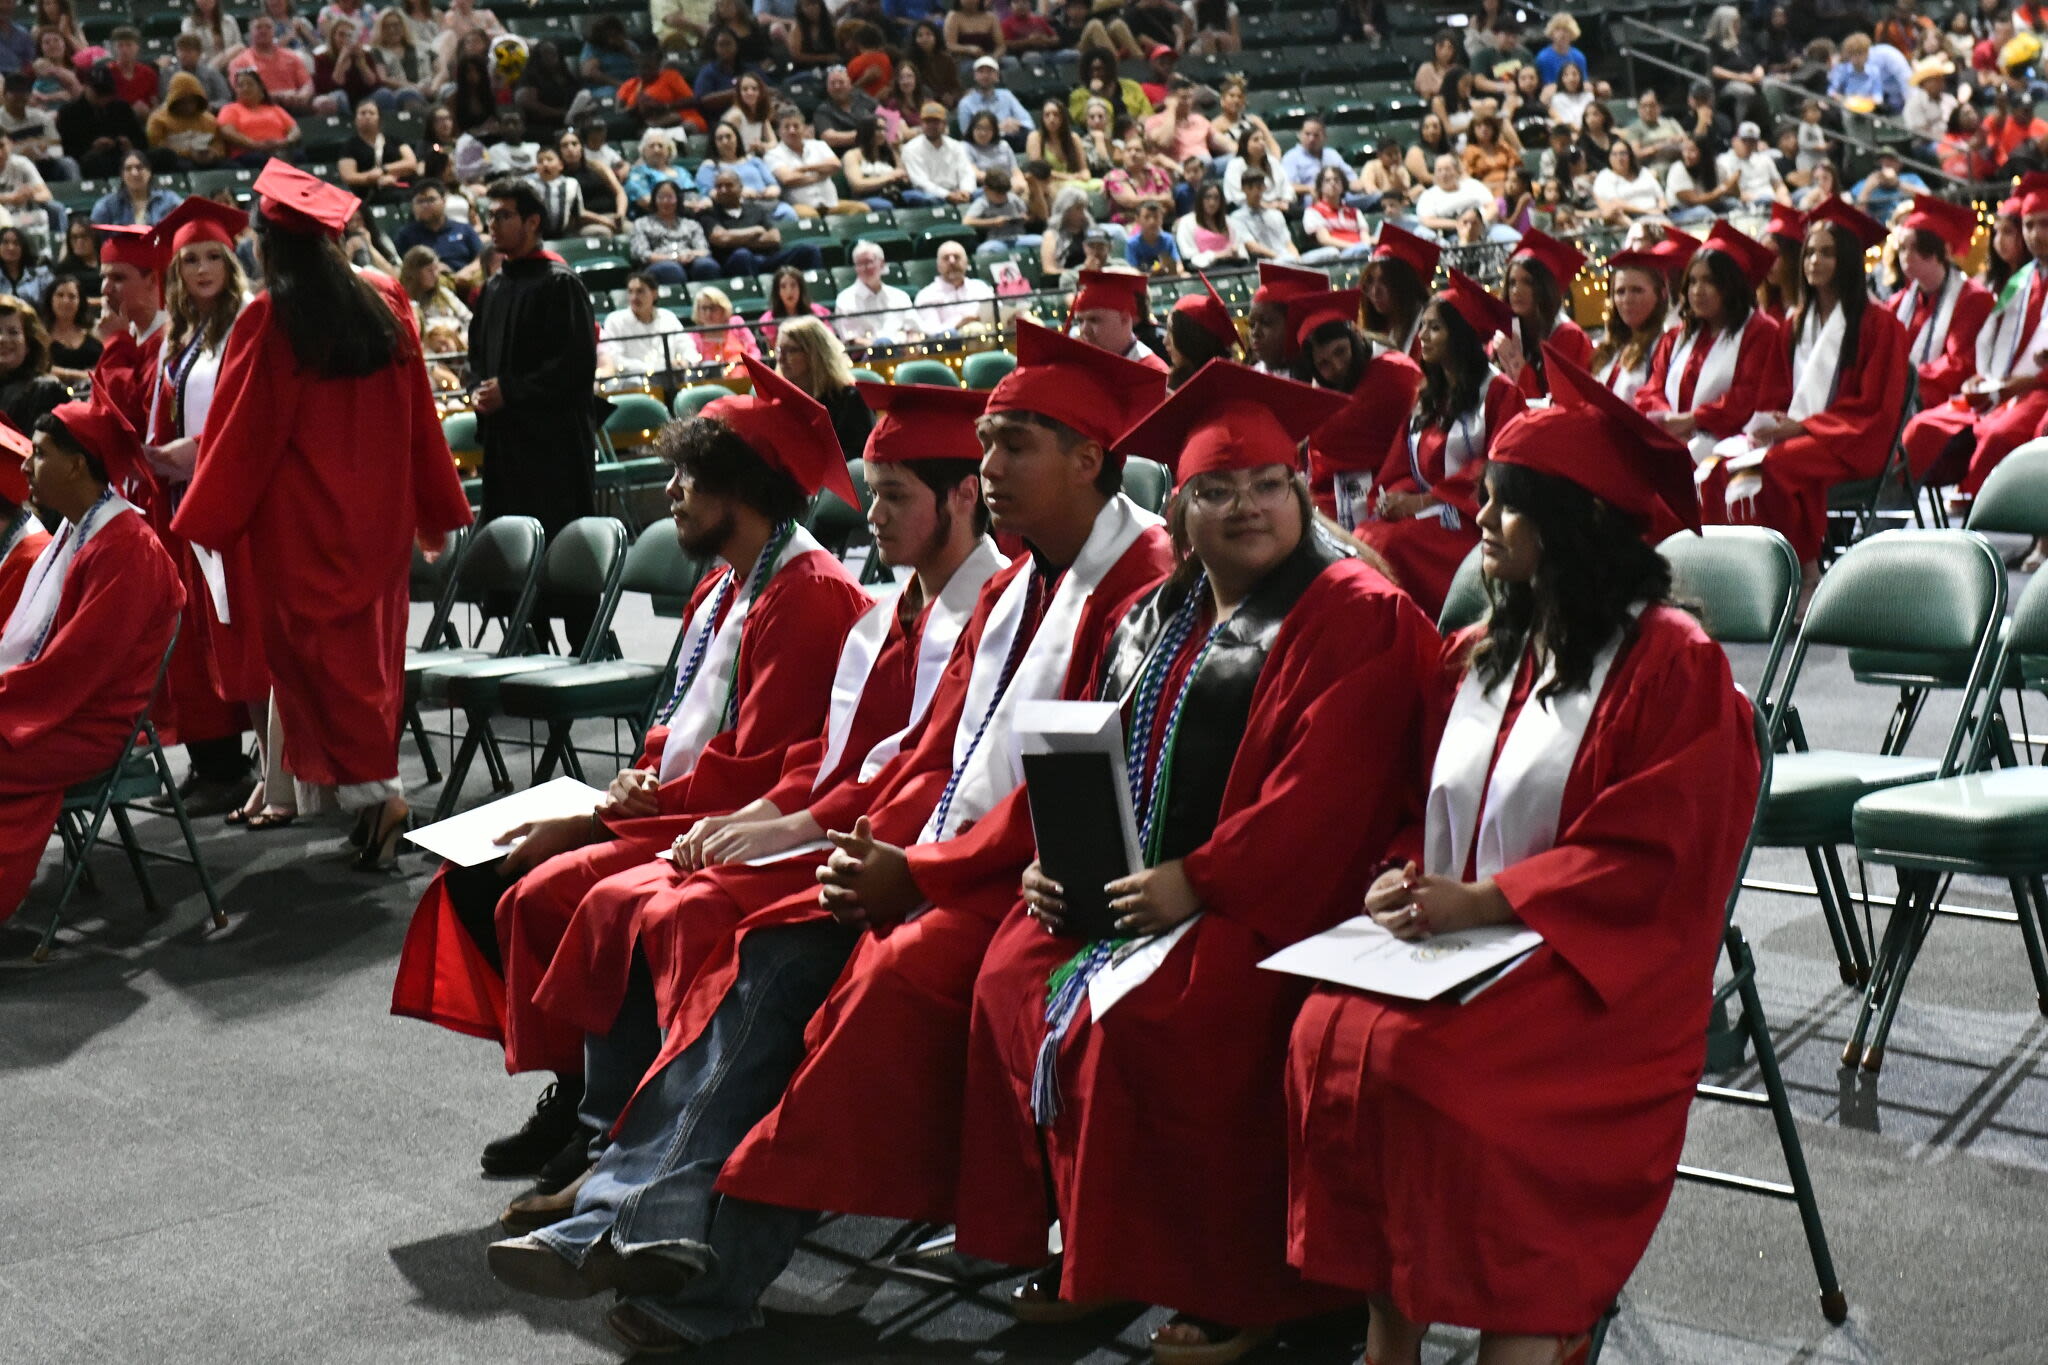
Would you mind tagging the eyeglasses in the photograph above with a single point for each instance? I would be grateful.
(1265, 492)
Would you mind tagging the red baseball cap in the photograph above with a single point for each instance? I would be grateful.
(1229, 416)
(922, 422)
(789, 430)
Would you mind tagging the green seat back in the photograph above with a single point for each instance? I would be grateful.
(659, 566)
(2015, 498)
(834, 524)
(503, 555)
(927, 372)
(2027, 637)
(459, 430)
(984, 369)
(1742, 578)
(1919, 590)
(694, 399)
(862, 372)
(1147, 483)
(583, 557)
(1466, 604)
(636, 418)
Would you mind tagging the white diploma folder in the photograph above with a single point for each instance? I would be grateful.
(1360, 954)
(474, 836)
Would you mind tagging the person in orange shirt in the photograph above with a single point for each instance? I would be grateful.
(660, 95)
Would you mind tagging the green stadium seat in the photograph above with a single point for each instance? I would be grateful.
(927, 372)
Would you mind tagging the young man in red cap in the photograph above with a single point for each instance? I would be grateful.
(763, 631)
(324, 454)
(946, 809)
(1347, 451)
(1943, 311)
(132, 259)
(1266, 329)
(24, 537)
(1539, 293)
(1106, 312)
(1278, 677)
(665, 922)
(1443, 1159)
(80, 650)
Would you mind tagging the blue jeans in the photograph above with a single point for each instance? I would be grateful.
(675, 272)
(746, 261)
(652, 1190)
(996, 246)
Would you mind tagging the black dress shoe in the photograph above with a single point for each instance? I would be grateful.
(552, 1125)
(564, 1166)
(207, 796)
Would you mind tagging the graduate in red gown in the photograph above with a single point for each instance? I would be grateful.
(1268, 674)
(1396, 285)
(1781, 286)
(1199, 329)
(1725, 362)
(1539, 293)
(1269, 341)
(2009, 398)
(1345, 452)
(1106, 310)
(80, 650)
(1501, 1164)
(762, 635)
(849, 1134)
(1849, 374)
(24, 536)
(132, 260)
(324, 453)
(1642, 288)
(1426, 496)
(1944, 313)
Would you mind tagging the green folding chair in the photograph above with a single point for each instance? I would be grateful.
(1853, 507)
(635, 420)
(1744, 582)
(1930, 591)
(862, 372)
(434, 581)
(141, 774)
(936, 372)
(697, 397)
(1147, 483)
(836, 526)
(612, 689)
(458, 429)
(585, 562)
(1979, 822)
(985, 369)
(1467, 603)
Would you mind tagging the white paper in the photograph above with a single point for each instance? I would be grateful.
(215, 571)
(1360, 954)
(475, 836)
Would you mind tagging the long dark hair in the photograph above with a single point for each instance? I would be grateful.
(1195, 344)
(1451, 390)
(1738, 301)
(1852, 294)
(1595, 567)
(1411, 296)
(803, 292)
(1549, 299)
(1790, 293)
(339, 327)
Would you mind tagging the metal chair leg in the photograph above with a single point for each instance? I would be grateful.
(150, 905)
(420, 741)
(1888, 953)
(71, 878)
(2034, 929)
(458, 769)
(1911, 939)
(1904, 717)
(1838, 913)
(494, 757)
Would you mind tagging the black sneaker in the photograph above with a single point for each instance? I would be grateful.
(564, 1166)
(205, 797)
(553, 1124)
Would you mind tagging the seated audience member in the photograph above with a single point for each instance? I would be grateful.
(1205, 235)
(1450, 194)
(844, 113)
(1539, 292)
(656, 164)
(1754, 170)
(1106, 312)
(184, 126)
(82, 647)
(938, 164)
(1445, 1171)
(1627, 189)
(33, 131)
(1944, 313)
(97, 128)
(380, 168)
(1150, 250)
(1138, 179)
(789, 298)
(455, 243)
(1849, 372)
(74, 350)
(433, 302)
(25, 537)
(721, 337)
(757, 182)
(764, 626)
(668, 246)
(641, 338)
(1292, 656)
(804, 167)
(283, 73)
(1640, 309)
(809, 355)
(604, 198)
(999, 216)
(255, 127)
(1425, 501)
(741, 236)
(138, 198)
(869, 312)
(955, 300)
(1261, 230)
(1654, 137)
(988, 96)
(933, 825)
(658, 95)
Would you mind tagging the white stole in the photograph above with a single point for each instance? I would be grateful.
(28, 628)
(1717, 372)
(701, 714)
(1624, 383)
(944, 619)
(989, 771)
(1464, 442)
(1527, 790)
(2002, 353)
(1816, 363)
(1934, 333)
(199, 386)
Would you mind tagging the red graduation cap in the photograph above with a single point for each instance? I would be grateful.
(1419, 254)
(1561, 259)
(1955, 224)
(922, 422)
(1861, 225)
(1121, 290)
(298, 202)
(1600, 442)
(14, 448)
(1668, 255)
(1306, 314)
(131, 244)
(199, 219)
(1485, 313)
(1358, 437)
(1229, 416)
(1083, 386)
(1210, 313)
(106, 434)
(789, 430)
(1786, 221)
(1751, 256)
(2032, 192)
(1279, 283)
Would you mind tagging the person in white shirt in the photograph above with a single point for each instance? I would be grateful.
(1263, 230)
(1753, 168)
(631, 339)
(953, 300)
(869, 312)
(937, 164)
(1452, 194)
(803, 167)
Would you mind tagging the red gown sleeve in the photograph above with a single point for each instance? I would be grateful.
(1650, 397)
(14, 569)
(252, 420)
(1762, 383)
(1943, 375)
(1674, 775)
(1853, 433)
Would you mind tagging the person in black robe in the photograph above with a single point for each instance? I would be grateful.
(533, 357)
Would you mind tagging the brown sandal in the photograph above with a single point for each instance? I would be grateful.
(1038, 1302)
(1223, 1344)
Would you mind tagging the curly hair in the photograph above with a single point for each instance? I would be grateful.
(719, 461)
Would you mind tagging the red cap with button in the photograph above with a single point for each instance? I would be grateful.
(1562, 260)
(1122, 291)
(1861, 225)
(922, 422)
(1753, 258)
(131, 244)
(1229, 416)
(1955, 224)
(199, 219)
(1210, 313)
(1081, 386)
(298, 202)
(789, 430)
(1417, 253)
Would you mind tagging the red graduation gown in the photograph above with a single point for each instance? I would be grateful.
(1424, 552)
(1502, 1164)
(1359, 437)
(1762, 381)
(329, 480)
(126, 374)
(1942, 374)
(1168, 1162)
(64, 715)
(1571, 341)
(788, 643)
(906, 993)
(1850, 439)
(14, 568)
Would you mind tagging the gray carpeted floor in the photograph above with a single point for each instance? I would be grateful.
(219, 1147)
